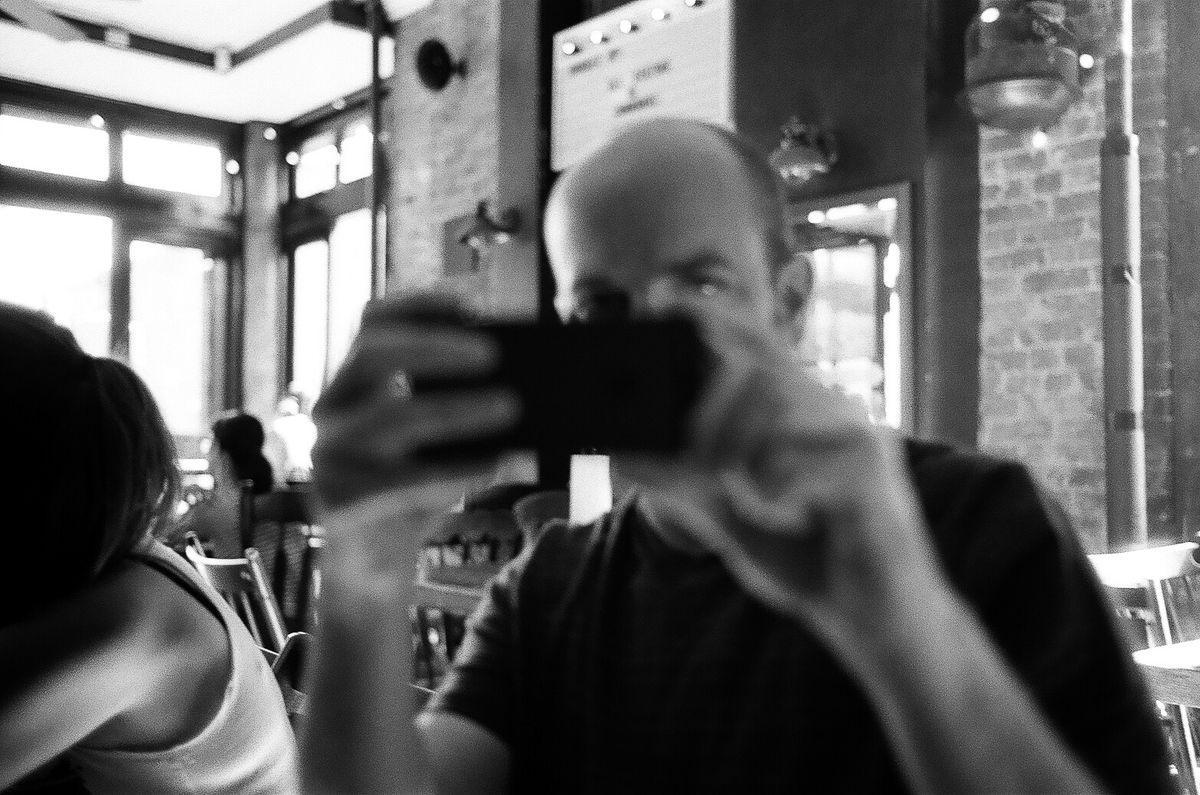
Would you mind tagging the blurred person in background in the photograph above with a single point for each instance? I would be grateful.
(292, 437)
(114, 654)
(235, 454)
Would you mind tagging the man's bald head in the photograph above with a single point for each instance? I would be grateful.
(641, 154)
(669, 210)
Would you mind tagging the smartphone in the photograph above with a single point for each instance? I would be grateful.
(593, 388)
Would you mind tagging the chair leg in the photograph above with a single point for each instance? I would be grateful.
(1182, 746)
(308, 589)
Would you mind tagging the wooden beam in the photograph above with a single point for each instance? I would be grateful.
(150, 211)
(122, 39)
(337, 12)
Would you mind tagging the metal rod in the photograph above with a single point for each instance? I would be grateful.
(378, 264)
(1121, 250)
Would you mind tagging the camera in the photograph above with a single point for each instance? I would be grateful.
(603, 387)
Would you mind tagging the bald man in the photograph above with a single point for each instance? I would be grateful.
(798, 602)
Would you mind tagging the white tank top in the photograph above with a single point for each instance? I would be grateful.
(247, 748)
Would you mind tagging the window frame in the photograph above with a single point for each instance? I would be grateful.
(212, 224)
(304, 220)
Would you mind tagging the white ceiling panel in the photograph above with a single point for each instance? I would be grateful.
(301, 74)
(203, 24)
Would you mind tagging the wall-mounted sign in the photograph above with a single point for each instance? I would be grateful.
(645, 59)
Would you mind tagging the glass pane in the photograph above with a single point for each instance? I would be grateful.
(841, 337)
(317, 169)
(349, 280)
(170, 331)
(310, 316)
(169, 164)
(76, 150)
(356, 153)
(60, 263)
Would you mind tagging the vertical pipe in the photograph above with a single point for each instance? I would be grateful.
(378, 271)
(1121, 245)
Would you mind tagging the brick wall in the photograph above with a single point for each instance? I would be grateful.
(1041, 390)
(442, 148)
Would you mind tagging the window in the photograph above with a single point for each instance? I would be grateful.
(331, 158)
(171, 330)
(310, 316)
(174, 165)
(331, 283)
(60, 263)
(349, 280)
(356, 154)
(858, 331)
(74, 149)
(131, 278)
(317, 170)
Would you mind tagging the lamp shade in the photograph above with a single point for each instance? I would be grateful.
(1022, 65)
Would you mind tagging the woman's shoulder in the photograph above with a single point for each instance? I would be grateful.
(159, 614)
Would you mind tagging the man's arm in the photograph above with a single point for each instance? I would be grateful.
(957, 717)
(814, 512)
(378, 502)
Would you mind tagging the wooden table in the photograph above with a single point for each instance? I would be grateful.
(1172, 672)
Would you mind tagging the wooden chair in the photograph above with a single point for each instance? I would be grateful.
(244, 585)
(1156, 589)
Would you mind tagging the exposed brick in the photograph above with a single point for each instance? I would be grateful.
(1045, 281)
(1048, 183)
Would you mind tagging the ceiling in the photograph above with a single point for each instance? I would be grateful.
(303, 72)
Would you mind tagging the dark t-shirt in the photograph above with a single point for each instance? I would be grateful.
(609, 662)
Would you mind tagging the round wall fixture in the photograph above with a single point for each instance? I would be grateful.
(435, 66)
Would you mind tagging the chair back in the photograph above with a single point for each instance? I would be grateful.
(281, 524)
(290, 666)
(1156, 587)
(243, 584)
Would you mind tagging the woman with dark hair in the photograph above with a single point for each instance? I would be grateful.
(112, 650)
(236, 454)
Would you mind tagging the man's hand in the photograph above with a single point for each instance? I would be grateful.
(371, 428)
(807, 503)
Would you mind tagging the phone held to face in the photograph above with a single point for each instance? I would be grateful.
(606, 388)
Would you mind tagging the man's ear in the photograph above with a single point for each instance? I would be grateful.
(793, 287)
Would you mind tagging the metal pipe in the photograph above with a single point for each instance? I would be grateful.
(375, 17)
(1121, 251)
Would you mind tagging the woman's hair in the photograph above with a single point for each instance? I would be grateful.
(93, 466)
(241, 437)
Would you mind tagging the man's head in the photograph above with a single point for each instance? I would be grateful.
(670, 213)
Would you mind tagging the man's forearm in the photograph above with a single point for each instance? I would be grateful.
(359, 734)
(957, 717)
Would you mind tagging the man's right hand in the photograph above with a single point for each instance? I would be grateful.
(370, 426)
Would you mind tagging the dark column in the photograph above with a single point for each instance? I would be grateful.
(946, 279)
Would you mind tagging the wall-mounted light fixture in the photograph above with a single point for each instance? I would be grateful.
(804, 151)
(435, 66)
(1023, 64)
(487, 231)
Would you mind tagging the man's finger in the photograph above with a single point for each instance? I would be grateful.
(387, 432)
